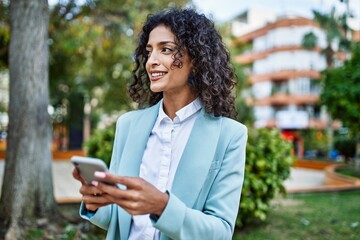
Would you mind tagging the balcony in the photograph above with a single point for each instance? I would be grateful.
(281, 75)
(251, 57)
(313, 123)
(285, 99)
(289, 22)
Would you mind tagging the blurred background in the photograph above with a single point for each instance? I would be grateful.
(298, 71)
(279, 50)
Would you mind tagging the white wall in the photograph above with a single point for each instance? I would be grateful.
(261, 89)
(287, 36)
(291, 60)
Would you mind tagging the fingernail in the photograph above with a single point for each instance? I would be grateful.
(100, 174)
(95, 183)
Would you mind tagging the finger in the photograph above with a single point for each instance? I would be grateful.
(93, 207)
(131, 207)
(128, 205)
(132, 182)
(129, 182)
(90, 190)
(112, 191)
(77, 176)
(98, 201)
(130, 200)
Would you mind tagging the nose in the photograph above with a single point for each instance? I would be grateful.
(153, 59)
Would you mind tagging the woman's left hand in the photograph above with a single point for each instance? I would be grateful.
(139, 197)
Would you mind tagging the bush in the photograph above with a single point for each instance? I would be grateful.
(315, 143)
(100, 144)
(346, 147)
(268, 161)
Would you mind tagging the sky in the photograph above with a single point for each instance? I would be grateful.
(224, 10)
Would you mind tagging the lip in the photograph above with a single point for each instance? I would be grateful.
(156, 75)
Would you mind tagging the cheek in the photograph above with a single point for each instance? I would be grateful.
(185, 71)
(147, 67)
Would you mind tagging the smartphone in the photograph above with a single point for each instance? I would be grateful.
(87, 166)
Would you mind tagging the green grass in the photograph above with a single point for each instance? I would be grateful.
(349, 171)
(75, 229)
(315, 216)
(309, 216)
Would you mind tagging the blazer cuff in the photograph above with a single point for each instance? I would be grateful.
(167, 222)
(85, 213)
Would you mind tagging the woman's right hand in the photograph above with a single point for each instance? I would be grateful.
(92, 197)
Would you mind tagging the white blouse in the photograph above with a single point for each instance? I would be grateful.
(161, 158)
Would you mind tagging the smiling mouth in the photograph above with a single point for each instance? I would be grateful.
(157, 75)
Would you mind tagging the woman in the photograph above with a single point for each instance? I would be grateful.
(179, 163)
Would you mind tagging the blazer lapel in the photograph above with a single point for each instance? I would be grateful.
(136, 141)
(135, 145)
(197, 158)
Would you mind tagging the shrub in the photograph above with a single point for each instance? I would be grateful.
(100, 144)
(268, 161)
(346, 147)
(315, 141)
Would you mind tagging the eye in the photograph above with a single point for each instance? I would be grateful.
(147, 52)
(167, 50)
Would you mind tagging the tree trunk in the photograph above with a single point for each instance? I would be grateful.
(27, 191)
(330, 135)
(329, 56)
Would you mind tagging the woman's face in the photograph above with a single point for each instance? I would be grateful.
(163, 76)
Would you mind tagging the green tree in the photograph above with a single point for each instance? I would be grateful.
(336, 30)
(4, 34)
(341, 93)
(91, 52)
(4, 46)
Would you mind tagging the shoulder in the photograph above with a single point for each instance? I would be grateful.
(233, 125)
(233, 130)
(128, 116)
(132, 116)
(229, 129)
(233, 134)
(228, 126)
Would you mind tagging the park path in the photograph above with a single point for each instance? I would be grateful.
(66, 189)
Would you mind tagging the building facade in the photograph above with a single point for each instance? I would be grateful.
(283, 75)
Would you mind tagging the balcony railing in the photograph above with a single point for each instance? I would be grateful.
(281, 75)
(286, 99)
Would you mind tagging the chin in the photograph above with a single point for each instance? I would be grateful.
(156, 89)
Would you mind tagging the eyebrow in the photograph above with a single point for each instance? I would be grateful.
(161, 43)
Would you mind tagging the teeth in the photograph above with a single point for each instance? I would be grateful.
(157, 74)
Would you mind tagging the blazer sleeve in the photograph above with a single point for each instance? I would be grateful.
(217, 219)
(102, 216)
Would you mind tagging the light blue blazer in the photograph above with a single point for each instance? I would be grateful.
(205, 195)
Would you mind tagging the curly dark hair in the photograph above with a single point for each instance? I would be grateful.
(212, 76)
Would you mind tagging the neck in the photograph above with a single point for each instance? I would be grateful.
(172, 104)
